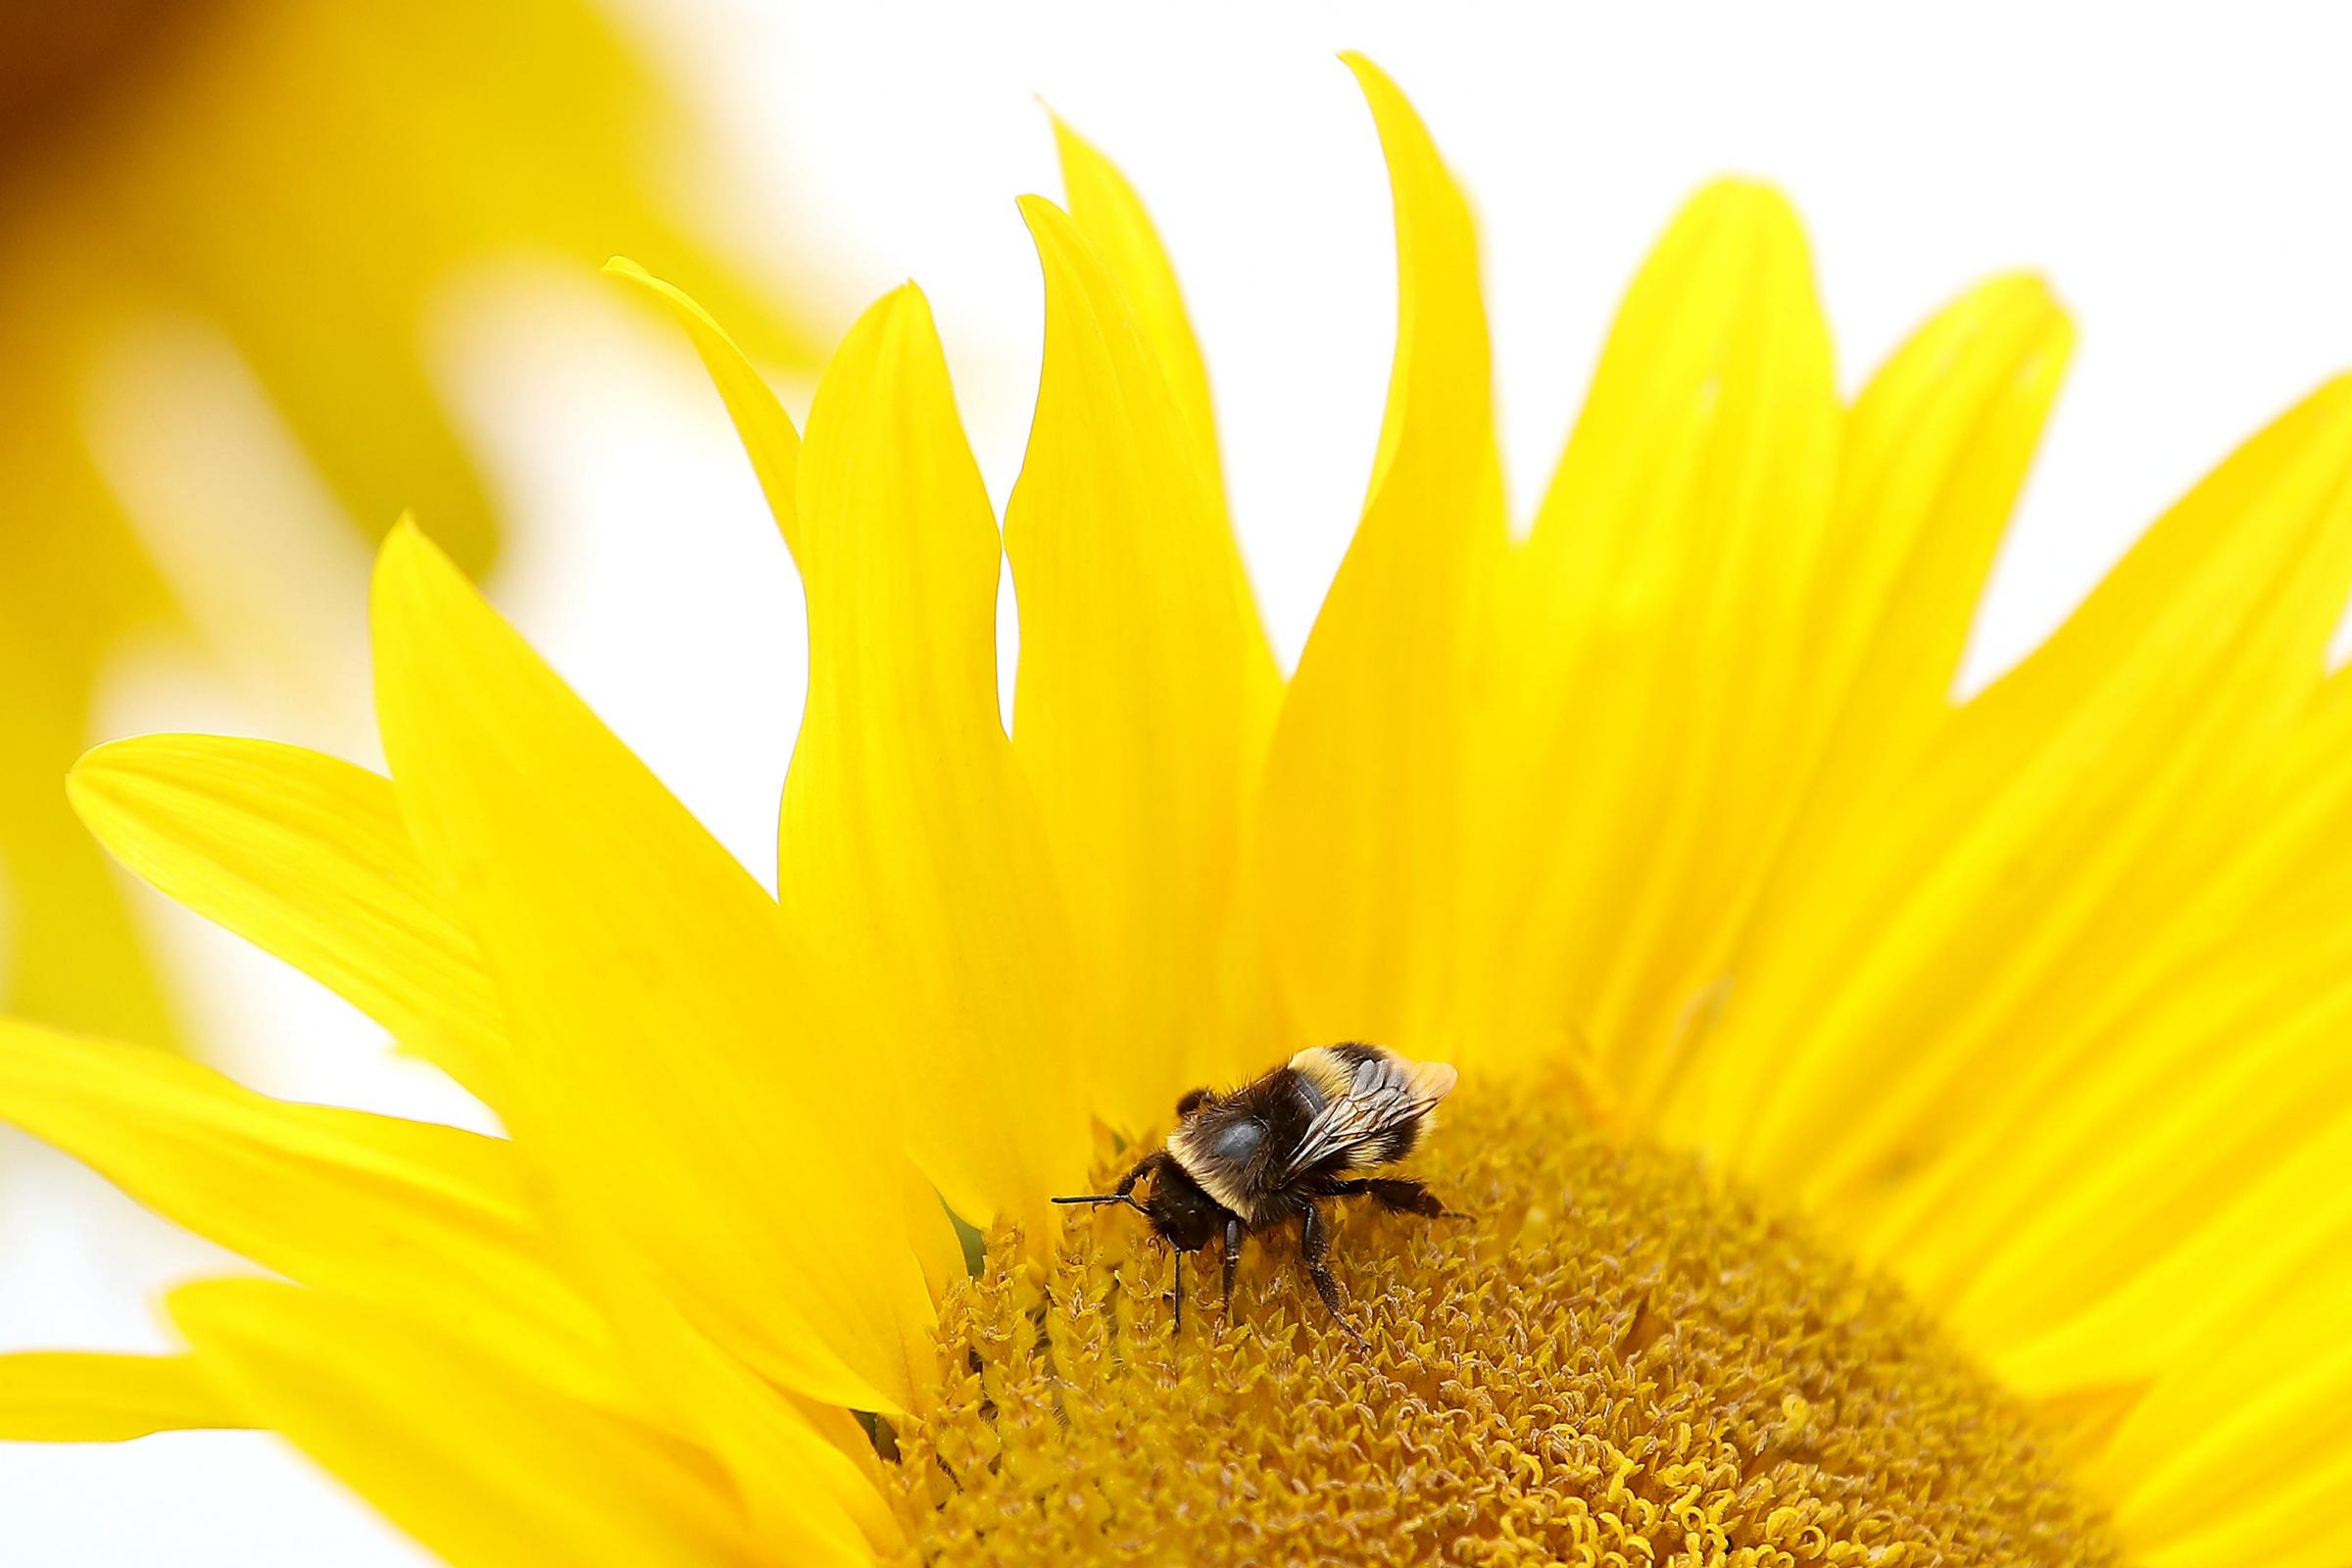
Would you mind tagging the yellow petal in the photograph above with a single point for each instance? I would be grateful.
(91, 1397)
(482, 1466)
(1146, 691)
(2260, 1413)
(1936, 965)
(783, 1451)
(1108, 213)
(1362, 826)
(761, 421)
(1661, 699)
(426, 1217)
(2301, 1524)
(2203, 1059)
(910, 846)
(682, 1074)
(307, 858)
(71, 950)
(1935, 451)
(2198, 1151)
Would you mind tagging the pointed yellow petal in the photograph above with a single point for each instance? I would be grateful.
(1935, 971)
(1108, 213)
(910, 846)
(485, 1468)
(89, 1397)
(682, 1075)
(1146, 690)
(1935, 454)
(307, 858)
(427, 1218)
(1935, 451)
(1661, 701)
(766, 429)
(1363, 815)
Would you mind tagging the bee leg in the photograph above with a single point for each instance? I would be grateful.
(1408, 1197)
(1177, 1258)
(1314, 1244)
(1143, 1167)
(1233, 1256)
(1400, 1194)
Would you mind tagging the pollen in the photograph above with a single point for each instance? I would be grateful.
(1611, 1359)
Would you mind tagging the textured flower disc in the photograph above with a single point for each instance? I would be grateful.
(1610, 1359)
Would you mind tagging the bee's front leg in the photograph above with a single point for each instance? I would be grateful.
(1314, 1246)
(1233, 1256)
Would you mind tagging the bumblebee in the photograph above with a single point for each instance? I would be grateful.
(1273, 1149)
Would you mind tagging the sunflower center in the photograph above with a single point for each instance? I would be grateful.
(1612, 1360)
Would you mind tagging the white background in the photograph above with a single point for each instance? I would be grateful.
(2179, 176)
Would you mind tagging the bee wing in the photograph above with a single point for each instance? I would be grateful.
(1385, 1095)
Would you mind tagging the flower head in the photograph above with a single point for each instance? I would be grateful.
(1888, 1130)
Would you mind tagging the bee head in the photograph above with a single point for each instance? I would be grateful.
(1181, 1213)
(1185, 1216)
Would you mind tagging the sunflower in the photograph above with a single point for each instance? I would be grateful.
(300, 178)
(1891, 1131)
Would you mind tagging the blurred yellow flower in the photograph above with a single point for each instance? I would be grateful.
(1893, 1131)
(302, 177)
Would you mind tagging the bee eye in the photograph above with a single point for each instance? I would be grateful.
(1240, 1141)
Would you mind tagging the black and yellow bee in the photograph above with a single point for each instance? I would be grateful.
(1271, 1151)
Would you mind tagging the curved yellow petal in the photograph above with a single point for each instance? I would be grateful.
(1146, 691)
(1362, 827)
(2053, 830)
(307, 858)
(911, 847)
(97, 1397)
(1106, 210)
(427, 1218)
(681, 1076)
(485, 1468)
(765, 428)
(1661, 706)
